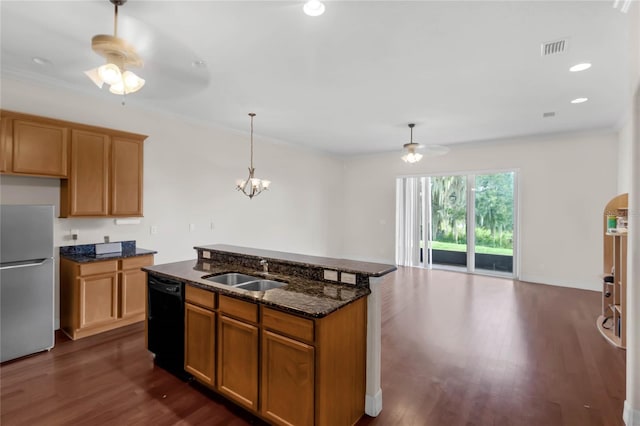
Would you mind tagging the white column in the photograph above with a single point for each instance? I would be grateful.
(631, 414)
(373, 400)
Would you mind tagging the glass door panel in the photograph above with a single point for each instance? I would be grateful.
(494, 220)
(448, 216)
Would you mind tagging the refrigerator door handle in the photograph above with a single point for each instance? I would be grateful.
(38, 262)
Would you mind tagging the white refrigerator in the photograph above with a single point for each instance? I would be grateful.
(26, 280)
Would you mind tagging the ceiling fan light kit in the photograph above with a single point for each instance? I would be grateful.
(118, 55)
(409, 149)
(313, 8)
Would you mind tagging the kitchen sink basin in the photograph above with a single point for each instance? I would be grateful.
(231, 278)
(261, 285)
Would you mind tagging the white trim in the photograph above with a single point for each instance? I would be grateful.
(373, 398)
(373, 404)
(630, 416)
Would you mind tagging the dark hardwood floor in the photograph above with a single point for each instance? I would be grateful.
(457, 349)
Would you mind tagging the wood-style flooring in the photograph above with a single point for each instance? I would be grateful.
(457, 349)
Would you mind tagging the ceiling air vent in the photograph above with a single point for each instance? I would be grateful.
(548, 114)
(554, 47)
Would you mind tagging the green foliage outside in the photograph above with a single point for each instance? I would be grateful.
(493, 209)
(437, 245)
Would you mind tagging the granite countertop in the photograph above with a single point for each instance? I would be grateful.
(345, 265)
(300, 296)
(86, 253)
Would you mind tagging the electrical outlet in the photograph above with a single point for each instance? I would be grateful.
(192, 227)
(206, 254)
(330, 275)
(153, 230)
(348, 278)
(74, 234)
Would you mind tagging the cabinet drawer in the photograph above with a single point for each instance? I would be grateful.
(239, 309)
(98, 267)
(200, 297)
(137, 262)
(294, 326)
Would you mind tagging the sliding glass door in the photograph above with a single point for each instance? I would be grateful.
(448, 205)
(464, 221)
(494, 219)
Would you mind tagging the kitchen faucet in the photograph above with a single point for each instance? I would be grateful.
(265, 266)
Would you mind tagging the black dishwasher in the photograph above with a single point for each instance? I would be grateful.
(165, 327)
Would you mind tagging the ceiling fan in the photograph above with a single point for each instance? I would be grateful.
(119, 56)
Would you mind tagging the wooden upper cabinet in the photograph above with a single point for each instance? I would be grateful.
(126, 177)
(86, 191)
(100, 168)
(33, 147)
(106, 176)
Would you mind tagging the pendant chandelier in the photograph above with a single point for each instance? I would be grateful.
(252, 186)
(410, 149)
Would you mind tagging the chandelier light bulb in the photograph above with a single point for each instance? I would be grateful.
(110, 73)
(314, 8)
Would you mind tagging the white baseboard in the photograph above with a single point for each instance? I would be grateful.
(373, 404)
(630, 416)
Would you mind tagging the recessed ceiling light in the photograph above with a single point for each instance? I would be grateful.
(199, 63)
(579, 100)
(313, 8)
(580, 67)
(41, 61)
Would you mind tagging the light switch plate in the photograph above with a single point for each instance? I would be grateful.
(348, 278)
(330, 275)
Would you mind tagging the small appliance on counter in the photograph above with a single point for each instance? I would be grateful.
(26, 280)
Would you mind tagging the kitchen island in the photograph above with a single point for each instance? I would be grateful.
(306, 352)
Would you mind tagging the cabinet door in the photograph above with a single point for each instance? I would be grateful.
(238, 361)
(88, 182)
(126, 177)
(199, 339)
(39, 149)
(287, 388)
(132, 301)
(98, 299)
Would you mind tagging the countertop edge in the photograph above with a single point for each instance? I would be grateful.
(304, 260)
(247, 295)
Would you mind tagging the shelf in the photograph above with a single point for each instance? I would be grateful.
(617, 234)
(608, 334)
(617, 308)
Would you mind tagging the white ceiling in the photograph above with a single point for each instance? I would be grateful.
(350, 80)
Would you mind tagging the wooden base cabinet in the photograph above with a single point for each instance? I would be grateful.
(100, 296)
(288, 384)
(289, 370)
(238, 361)
(200, 337)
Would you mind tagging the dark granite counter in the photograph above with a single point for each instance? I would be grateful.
(301, 295)
(344, 265)
(85, 253)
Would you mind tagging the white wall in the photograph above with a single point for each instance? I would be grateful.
(563, 188)
(189, 177)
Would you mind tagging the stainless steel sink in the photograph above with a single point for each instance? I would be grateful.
(261, 285)
(231, 278)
